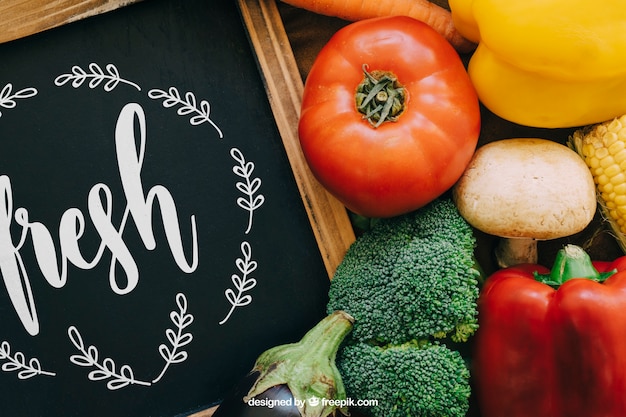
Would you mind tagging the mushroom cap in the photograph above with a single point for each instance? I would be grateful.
(526, 188)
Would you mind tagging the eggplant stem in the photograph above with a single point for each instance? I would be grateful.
(307, 367)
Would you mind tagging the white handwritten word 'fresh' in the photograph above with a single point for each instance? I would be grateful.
(139, 206)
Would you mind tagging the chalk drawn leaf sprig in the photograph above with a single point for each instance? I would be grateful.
(96, 76)
(176, 337)
(243, 283)
(17, 362)
(7, 97)
(188, 106)
(125, 376)
(89, 357)
(249, 186)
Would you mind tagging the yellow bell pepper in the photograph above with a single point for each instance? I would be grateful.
(547, 63)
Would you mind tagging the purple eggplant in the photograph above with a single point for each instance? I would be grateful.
(295, 380)
(234, 405)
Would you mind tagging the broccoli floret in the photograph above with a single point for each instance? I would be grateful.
(408, 380)
(411, 277)
(411, 284)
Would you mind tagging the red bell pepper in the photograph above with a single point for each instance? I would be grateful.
(552, 343)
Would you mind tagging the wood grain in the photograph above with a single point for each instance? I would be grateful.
(206, 413)
(20, 18)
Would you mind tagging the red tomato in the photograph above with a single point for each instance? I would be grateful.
(400, 165)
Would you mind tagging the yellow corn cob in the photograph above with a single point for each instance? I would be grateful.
(603, 148)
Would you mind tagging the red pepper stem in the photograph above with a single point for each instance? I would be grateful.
(571, 262)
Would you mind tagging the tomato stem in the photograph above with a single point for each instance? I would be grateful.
(380, 97)
(572, 262)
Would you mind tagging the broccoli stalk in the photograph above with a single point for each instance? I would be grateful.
(411, 284)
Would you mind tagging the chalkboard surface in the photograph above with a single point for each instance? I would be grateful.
(152, 237)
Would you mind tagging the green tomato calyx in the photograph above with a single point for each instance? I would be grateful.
(380, 97)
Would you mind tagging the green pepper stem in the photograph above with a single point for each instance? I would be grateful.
(571, 262)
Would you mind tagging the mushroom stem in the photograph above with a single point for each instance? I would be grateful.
(514, 251)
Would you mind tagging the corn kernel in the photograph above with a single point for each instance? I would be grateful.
(620, 154)
(593, 162)
(618, 178)
(602, 179)
(609, 139)
(620, 200)
(601, 153)
(614, 125)
(616, 147)
(597, 171)
(610, 204)
(611, 170)
(603, 148)
(587, 149)
(620, 188)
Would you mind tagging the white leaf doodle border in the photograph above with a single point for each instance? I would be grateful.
(7, 100)
(248, 187)
(188, 105)
(17, 362)
(243, 283)
(107, 370)
(96, 76)
(177, 338)
(89, 356)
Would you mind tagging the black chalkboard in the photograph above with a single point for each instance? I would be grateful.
(152, 238)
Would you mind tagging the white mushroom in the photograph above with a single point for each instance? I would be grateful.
(525, 190)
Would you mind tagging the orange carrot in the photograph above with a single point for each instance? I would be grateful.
(430, 13)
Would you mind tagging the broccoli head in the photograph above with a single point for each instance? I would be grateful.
(411, 284)
(410, 380)
(411, 277)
